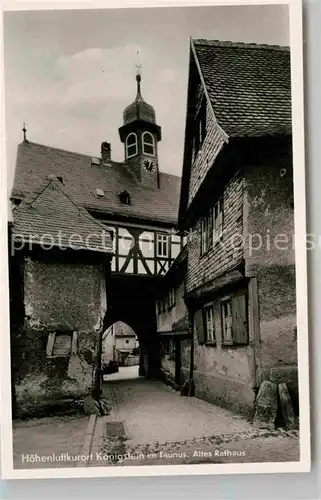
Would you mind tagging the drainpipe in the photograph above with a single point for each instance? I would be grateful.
(191, 367)
(98, 375)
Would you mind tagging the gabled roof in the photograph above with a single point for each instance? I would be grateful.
(249, 86)
(50, 217)
(82, 177)
(123, 330)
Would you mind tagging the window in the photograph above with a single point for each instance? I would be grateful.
(148, 144)
(218, 221)
(171, 298)
(159, 307)
(227, 321)
(206, 233)
(61, 344)
(200, 128)
(131, 145)
(234, 320)
(162, 245)
(212, 227)
(124, 198)
(209, 323)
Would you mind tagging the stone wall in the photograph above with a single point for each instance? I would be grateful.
(270, 256)
(58, 297)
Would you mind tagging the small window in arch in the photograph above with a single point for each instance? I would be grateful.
(148, 144)
(131, 145)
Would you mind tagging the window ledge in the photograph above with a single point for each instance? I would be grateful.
(62, 356)
(211, 343)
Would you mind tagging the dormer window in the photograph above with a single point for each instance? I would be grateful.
(124, 198)
(148, 144)
(131, 145)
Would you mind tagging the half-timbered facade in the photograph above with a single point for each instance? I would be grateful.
(236, 201)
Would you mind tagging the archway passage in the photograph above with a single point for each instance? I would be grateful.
(131, 300)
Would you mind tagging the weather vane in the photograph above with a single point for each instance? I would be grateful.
(138, 65)
(24, 130)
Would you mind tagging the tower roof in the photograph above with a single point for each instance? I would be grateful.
(139, 109)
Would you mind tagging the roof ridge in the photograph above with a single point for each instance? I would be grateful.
(120, 163)
(241, 45)
(61, 149)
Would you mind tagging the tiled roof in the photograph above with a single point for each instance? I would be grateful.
(81, 177)
(50, 217)
(249, 86)
(123, 330)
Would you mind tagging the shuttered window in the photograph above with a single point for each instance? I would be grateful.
(235, 320)
(218, 221)
(209, 323)
(61, 344)
(206, 232)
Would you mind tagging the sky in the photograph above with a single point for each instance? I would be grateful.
(70, 73)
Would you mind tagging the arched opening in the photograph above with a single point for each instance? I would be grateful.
(148, 144)
(120, 353)
(131, 145)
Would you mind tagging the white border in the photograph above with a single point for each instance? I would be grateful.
(296, 42)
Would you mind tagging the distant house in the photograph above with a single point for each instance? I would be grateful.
(237, 204)
(120, 343)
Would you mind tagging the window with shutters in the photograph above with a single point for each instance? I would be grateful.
(171, 298)
(234, 313)
(218, 221)
(206, 233)
(208, 316)
(200, 128)
(61, 344)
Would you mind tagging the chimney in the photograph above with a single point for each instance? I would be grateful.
(105, 152)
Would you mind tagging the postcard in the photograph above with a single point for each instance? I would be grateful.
(154, 317)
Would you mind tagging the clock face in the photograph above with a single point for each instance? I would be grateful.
(149, 166)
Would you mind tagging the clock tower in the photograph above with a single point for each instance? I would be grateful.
(140, 135)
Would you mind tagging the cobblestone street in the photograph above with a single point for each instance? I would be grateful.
(152, 424)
